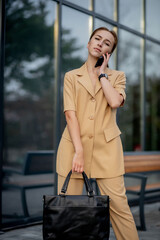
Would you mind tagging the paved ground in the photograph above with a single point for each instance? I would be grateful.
(152, 213)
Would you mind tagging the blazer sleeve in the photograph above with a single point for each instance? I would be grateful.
(120, 85)
(68, 94)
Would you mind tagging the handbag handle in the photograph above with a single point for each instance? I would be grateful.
(88, 185)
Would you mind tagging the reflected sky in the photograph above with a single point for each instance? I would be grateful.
(152, 59)
(153, 18)
(106, 8)
(82, 3)
(130, 54)
(131, 14)
(78, 24)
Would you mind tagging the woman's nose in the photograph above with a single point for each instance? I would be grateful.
(100, 44)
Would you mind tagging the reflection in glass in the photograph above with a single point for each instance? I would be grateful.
(106, 8)
(129, 59)
(74, 42)
(82, 3)
(74, 38)
(29, 83)
(152, 97)
(153, 18)
(130, 14)
(100, 23)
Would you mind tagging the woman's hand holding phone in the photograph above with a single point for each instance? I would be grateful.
(102, 62)
(105, 63)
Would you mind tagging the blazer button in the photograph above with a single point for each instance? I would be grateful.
(91, 117)
(90, 136)
(93, 99)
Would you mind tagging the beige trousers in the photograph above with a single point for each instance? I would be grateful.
(120, 214)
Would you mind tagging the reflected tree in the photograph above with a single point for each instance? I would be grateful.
(153, 114)
(29, 76)
(129, 115)
(30, 48)
(69, 48)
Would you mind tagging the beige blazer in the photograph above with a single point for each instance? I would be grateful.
(100, 135)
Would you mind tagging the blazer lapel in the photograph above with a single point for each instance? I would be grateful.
(84, 79)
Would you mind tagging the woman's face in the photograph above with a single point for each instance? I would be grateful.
(101, 43)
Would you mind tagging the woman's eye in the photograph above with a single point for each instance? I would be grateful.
(97, 38)
(107, 44)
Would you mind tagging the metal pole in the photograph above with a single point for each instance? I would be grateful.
(57, 89)
(2, 46)
(143, 81)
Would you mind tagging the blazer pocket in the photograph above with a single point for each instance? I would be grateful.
(111, 133)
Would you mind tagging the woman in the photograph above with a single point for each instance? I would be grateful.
(91, 140)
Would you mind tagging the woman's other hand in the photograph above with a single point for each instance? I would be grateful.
(74, 131)
(78, 162)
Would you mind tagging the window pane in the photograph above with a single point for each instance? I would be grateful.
(100, 23)
(152, 97)
(28, 89)
(82, 3)
(74, 42)
(153, 18)
(106, 8)
(129, 58)
(130, 14)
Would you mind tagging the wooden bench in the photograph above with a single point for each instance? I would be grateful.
(138, 167)
(141, 166)
(35, 164)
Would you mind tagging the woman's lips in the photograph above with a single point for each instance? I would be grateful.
(97, 49)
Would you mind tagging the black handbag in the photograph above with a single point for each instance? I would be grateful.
(76, 217)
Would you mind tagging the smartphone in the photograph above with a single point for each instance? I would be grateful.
(99, 61)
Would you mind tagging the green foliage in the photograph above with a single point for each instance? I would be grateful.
(29, 75)
(29, 51)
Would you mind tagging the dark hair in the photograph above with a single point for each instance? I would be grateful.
(111, 31)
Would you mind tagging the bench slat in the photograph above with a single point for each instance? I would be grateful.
(141, 163)
(149, 187)
(29, 183)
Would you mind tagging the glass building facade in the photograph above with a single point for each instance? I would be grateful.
(40, 41)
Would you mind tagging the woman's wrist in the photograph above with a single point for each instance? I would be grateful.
(79, 150)
(101, 72)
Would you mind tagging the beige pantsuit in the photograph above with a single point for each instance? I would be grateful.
(102, 148)
(120, 214)
(100, 135)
